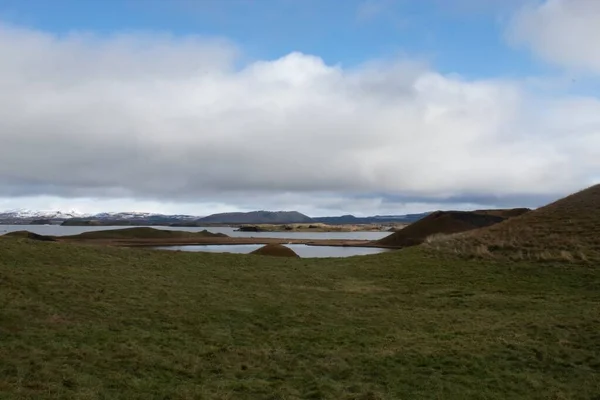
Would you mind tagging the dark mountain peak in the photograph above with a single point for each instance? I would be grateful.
(257, 217)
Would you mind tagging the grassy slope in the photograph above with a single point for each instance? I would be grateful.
(113, 323)
(30, 235)
(439, 222)
(565, 230)
(142, 233)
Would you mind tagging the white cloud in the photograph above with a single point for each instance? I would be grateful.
(563, 32)
(95, 206)
(171, 119)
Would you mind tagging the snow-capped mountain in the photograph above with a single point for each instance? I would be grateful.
(25, 216)
(31, 214)
(139, 215)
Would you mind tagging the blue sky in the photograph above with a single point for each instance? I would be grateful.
(323, 106)
(456, 38)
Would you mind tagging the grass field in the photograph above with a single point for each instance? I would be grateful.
(80, 322)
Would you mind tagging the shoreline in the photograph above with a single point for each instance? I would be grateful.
(266, 228)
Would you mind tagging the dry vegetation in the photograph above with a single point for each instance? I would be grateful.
(504, 213)
(275, 250)
(446, 222)
(566, 230)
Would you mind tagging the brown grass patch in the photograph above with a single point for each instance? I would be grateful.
(567, 230)
(56, 319)
(445, 223)
(276, 250)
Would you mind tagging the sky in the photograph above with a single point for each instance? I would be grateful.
(326, 107)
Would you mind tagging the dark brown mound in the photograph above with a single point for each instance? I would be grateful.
(565, 230)
(31, 235)
(444, 222)
(276, 250)
(504, 213)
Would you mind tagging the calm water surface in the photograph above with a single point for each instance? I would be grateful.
(57, 230)
(300, 249)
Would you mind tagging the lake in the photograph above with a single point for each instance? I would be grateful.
(57, 230)
(302, 250)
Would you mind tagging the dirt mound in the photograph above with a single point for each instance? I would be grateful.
(31, 235)
(565, 230)
(504, 213)
(276, 250)
(445, 222)
(143, 233)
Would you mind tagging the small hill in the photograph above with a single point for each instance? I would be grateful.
(565, 230)
(445, 222)
(95, 222)
(31, 235)
(257, 217)
(142, 233)
(504, 213)
(40, 222)
(276, 250)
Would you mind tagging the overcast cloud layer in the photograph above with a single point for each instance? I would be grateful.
(172, 119)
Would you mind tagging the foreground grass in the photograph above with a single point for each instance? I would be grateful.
(111, 323)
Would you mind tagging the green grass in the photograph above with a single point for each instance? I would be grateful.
(30, 235)
(142, 233)
(80, 322)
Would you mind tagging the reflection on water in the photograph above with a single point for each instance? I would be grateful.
(57, 230)
(300, 249)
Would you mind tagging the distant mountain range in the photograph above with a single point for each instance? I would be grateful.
(76, 218)
(376, 219)
(30, 214)
(257, 217)
(234, 218)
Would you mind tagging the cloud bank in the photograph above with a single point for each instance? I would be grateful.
(564, 32)
(175, 119)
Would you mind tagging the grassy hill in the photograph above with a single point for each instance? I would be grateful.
(87, 322)
(565, 230)
(30, 235)
(446, 222)
(142, 233)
